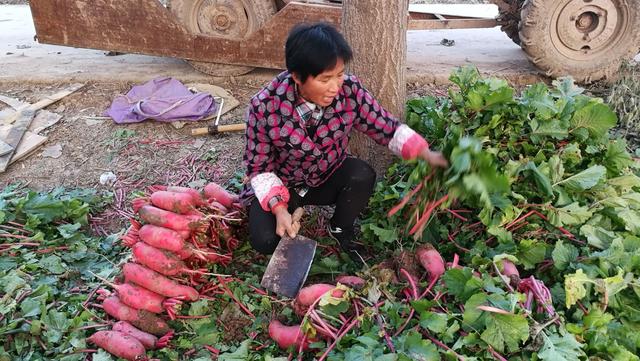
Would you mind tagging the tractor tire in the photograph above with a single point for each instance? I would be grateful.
(510, 19)
(236, 19)
(588, 40)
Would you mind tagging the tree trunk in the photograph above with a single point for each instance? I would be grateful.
(377, 32)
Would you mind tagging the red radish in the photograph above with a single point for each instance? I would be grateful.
(157, 283)
(407, 261)
(216, 258)
(184, 234)
(431, 260)
(167, 219)
(310, 294)
(181, 203)
(215, 192)
(287, 336)
(137, 297)
(168, 239)
(119, 344)
(351, 281)
(148, 340)
(384, 271)
(143, 320)
(161, 237)
(219, 207)
(426, 216)
(132, 233)
(184, 253)
(510, 271)
(225, 233)
(196, 195)
(160, 261)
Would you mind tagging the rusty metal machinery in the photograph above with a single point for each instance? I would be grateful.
(586, 39)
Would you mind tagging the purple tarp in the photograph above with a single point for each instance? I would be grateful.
(163, 99)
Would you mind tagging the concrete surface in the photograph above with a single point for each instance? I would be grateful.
(23, 59)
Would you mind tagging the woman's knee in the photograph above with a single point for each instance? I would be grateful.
(362, 174)
(262, 229)
(263, 241)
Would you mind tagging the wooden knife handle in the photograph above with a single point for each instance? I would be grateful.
(295, 218)
(297, 215)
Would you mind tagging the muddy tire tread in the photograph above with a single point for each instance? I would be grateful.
(535, 41)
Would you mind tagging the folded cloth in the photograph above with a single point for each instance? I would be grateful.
(162, 99)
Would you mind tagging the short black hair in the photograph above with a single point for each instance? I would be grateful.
(314, 48)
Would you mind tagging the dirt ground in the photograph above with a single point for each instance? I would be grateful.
(138, 154)
(150, 152)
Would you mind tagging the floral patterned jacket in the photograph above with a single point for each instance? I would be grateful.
(283, 151)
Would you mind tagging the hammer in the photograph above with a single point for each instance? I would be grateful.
(215, 128)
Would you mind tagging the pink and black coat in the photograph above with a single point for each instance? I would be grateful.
(280, 153)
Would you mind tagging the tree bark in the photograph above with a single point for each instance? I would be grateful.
(377, 32)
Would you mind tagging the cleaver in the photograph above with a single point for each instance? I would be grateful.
(290, 263)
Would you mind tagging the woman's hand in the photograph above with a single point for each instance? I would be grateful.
(284, 222)
(435, 159)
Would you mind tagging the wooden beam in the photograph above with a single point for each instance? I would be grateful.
(452, 24)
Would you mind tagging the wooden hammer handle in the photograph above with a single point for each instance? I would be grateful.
(218, 129)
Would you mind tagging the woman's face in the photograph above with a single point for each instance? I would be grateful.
(322, 88)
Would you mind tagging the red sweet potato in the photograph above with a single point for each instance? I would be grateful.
(158, 283)
(142, 319)
(146, 339)
(431, 260)
(119, 344)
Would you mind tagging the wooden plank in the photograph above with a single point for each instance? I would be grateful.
(15, 136)
(5, 148)
(13, 102)
(31, 140)
(45, 102)
(43, 120)
(29, 143)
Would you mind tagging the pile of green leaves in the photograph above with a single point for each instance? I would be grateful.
(46, 258)
(546, 150)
